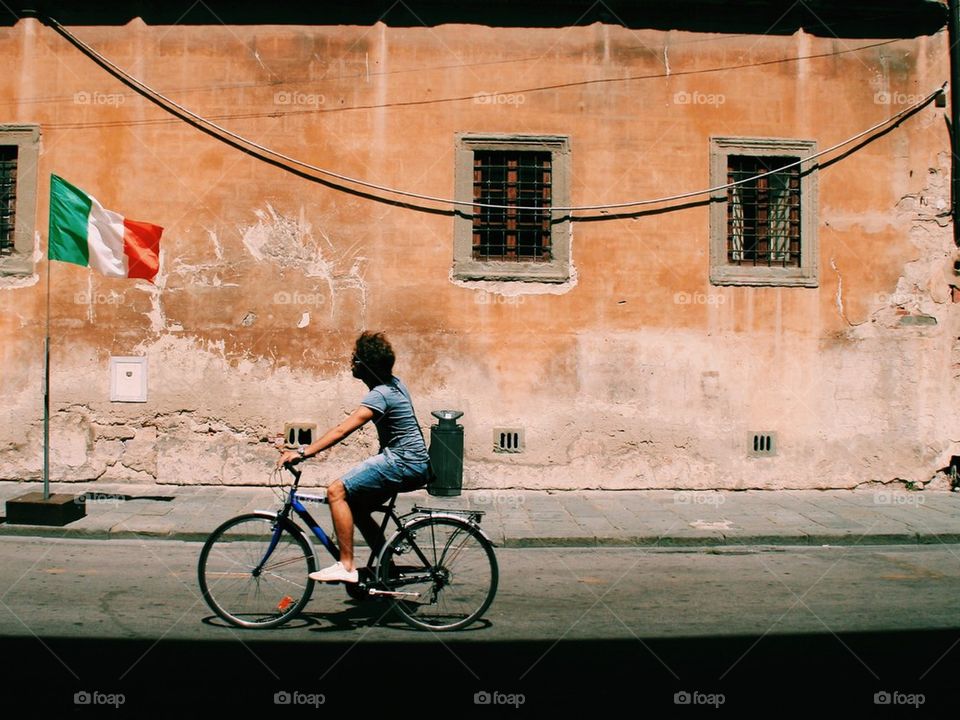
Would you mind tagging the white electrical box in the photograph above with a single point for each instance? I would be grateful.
(128, 379)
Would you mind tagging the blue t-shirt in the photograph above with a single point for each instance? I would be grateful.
(396, 422)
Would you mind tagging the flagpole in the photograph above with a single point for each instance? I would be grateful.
(46, 393)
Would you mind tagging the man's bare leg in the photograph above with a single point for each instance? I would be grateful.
(342, 521)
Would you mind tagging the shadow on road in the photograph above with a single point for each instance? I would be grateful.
(856, 671)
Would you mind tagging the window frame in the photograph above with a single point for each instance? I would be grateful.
(27, 140)
(465, 267)
(723, 273)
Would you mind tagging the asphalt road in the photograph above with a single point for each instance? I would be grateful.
(722, 628)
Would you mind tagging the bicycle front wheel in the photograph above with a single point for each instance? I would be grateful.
(454, 587)
(245, 586)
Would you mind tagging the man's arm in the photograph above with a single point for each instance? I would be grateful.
(357, 419)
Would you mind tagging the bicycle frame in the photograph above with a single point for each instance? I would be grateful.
(295, 500)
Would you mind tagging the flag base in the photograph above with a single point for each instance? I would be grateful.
(31, 509)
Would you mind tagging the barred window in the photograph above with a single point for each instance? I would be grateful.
(763, 231)
(527, 240)
(8, 199)
(19, 154)
(763, 214)
(519, 180)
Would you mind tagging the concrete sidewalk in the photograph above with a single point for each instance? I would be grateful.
(547, 518)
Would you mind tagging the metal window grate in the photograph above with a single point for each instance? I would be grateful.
(763, 216)
(519, 178)
(8, 198)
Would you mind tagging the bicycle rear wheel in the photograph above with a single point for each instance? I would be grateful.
(457, 584)
(238, 592)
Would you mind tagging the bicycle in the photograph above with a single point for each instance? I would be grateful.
(438, 567)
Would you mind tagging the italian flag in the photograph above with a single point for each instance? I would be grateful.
(84, 233)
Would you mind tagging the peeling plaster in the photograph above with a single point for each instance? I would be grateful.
(14, 282)
(203, 274)
(839, 292)
(193, 437)
(91, 316)
(157, 317)
(922, 289)
(217, 246)
(290, 243)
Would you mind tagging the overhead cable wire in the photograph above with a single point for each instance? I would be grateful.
(168, 103)
(434, 101)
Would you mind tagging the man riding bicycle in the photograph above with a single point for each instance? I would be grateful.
(401, 465)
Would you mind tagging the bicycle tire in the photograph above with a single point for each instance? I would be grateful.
(458, 584)
(227, 580)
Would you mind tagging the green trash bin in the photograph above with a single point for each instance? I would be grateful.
(446, 453)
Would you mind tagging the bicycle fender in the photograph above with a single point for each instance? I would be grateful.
(483, 534)
(449, 516)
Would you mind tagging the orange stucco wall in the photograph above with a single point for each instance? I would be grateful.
(636, 373)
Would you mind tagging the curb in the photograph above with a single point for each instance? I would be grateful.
(642, 541)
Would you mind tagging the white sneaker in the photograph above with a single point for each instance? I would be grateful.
(335, 573)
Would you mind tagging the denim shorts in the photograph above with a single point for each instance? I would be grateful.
(373, 481)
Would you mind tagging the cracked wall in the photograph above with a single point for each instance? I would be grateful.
(637, 374)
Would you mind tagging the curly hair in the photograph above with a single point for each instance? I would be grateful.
(374, 356)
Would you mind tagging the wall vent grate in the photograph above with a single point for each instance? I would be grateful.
(508, 440)
(296, 434)
(762, 444)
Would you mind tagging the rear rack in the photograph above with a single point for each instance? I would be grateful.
(473, 516)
